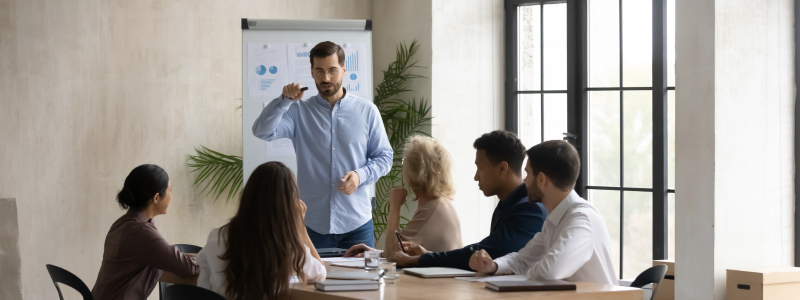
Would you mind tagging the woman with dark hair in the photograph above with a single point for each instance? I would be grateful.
(264, 244)
(135, 256)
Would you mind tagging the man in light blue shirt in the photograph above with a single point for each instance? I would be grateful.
(341, 148)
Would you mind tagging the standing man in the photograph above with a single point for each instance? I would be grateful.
(341, 147)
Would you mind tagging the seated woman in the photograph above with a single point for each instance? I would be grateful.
(135, 256)
(264, 244)
(435, 225)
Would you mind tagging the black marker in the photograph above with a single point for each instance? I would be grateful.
(303, 89)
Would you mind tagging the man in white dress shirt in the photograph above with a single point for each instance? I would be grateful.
(574, 244)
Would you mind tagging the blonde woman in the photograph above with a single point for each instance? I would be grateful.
(435, 225)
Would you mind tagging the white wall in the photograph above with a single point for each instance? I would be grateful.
(462, 55)
(734, 140)
(91, 89)
(467, 79)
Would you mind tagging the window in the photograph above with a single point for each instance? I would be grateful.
(796, 138)
(541, 89)
(600, 73)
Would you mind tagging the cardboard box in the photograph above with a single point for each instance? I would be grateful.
(763, 283)
(666, 290)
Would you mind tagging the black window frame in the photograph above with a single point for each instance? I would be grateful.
(796, 138)
(577, 106)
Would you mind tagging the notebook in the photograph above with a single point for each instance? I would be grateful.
(438, 272)
(530, 285)
(353, 275)
(331, 252)
(347, 285)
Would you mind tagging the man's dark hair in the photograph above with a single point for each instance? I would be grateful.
(501, 145)
(558, 160)
(326, 49)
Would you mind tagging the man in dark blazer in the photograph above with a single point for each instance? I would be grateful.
(515, 221)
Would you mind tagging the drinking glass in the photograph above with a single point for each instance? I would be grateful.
(372, 259)
(389, 270)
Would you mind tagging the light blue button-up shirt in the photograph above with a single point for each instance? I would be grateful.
(329, 142)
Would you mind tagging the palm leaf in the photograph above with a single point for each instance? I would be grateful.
(219, 172)
(401, 119)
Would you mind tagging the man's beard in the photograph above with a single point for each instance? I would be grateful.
(336, 88)
(534, 195)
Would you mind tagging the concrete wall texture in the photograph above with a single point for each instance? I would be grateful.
(91, 89)
(10, 269)
(734, 140)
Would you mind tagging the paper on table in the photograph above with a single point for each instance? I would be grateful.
(356, 69)
(342, 259)
(267, 71)
(349, 264)
(359, 264)
(495, 278)
(300, 67)
(279, 147)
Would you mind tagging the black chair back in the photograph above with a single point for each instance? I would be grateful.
(185, 248)
(60, 275)
(652, 275)
(188, 292)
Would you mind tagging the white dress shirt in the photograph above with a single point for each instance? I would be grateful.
(212, 276)
(574, 245)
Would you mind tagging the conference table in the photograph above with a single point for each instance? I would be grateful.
(412, 287)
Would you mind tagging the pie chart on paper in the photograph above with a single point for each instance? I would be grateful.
(261, 70)
(273, 69)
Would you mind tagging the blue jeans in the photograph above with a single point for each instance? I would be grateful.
(360, 235)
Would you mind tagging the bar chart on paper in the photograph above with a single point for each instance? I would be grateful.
(302, 54)
(351, 63)
(355, 64)
(266, 83)
(353, 87)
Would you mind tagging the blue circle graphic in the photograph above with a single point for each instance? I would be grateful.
(273, 69)
(353, 76)
(261, 70)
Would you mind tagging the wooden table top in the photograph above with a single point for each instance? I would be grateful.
(412, 287)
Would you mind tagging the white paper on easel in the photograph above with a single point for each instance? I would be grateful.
(267, 70)
(299, 65)
(356, 69)
(279, 147)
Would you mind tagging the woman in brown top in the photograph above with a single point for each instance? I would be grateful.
(135, 256)
(435, 225)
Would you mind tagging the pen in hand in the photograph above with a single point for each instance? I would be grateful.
(400, 240)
